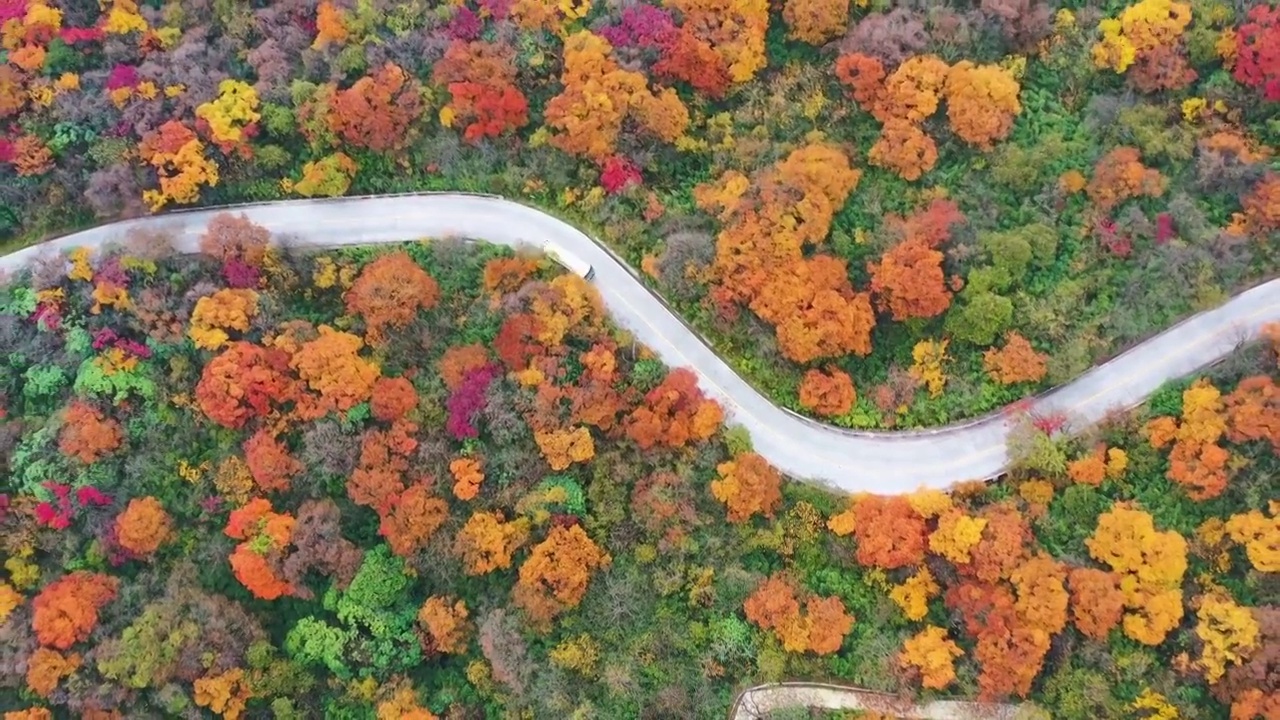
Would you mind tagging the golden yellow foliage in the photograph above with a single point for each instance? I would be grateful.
(933, 654)
(956, 535)
(912, 596)
(928, 357)
(1260, 536)
(1229, 633)
(224, 310)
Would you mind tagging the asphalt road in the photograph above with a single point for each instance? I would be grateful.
(881, 462)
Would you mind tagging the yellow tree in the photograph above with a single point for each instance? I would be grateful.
(1151, 564)
(1228, 632)
(748, 485)
(554, 578)
(931, 653)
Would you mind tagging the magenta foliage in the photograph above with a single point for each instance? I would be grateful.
(643, 26)
(107, 337)
(48, 316)
(1111, 238)
(6, 150)
(1049, 424)
(111, 271)
(465, 25)
(59, 513)
(466, 402)
(12, 10)
(73, 35)
(122, 76)
(90, 495)
(1164, 228)
(239, 274)
(617, 173)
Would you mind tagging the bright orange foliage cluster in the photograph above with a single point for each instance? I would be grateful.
(467, 476)
(1119, 176)
(748, 485)
(674, 413)
(1150, 564)
(392, 398)
(829, 393)
(87, 434)
(459, 360)
(331, 366)
(445, 620)
(388, 294)
(814, 310)
(331, 26)
(401, 703)
(554, 577)
(486, 542)
(379, 474)
(767, 222)
(820, 628)
(1016, 362)
(888, 530)
(982, 102)
(1197, 461)
(269, 462)
(46, 668)
(598, 97)
(1262, 205)
(503, 275)
(815, 21)
(735, 29)
(378, 112)
(908, 281)
(143, 526)
(245, 381)
(1013, 624)
(562, 448)
(1097, 465)
(266, 535)
(411, 518)
(66, 610)
(1253, 411)
(1097, 604)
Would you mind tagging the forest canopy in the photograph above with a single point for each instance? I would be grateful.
(490, 500)
(927, 198)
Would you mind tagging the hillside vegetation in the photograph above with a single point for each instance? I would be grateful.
(434, 481)
(885, 214)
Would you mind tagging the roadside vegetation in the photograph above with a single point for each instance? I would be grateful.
(434, 481)
(885, 214)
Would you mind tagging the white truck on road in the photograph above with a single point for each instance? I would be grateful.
(570, 261)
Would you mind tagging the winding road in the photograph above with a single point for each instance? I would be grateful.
(880, 462)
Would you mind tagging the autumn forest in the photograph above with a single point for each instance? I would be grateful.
(435, 480)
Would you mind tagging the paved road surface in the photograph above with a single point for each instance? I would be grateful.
(760, 702)
(882, 462)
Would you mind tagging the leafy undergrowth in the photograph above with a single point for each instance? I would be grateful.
(434, 481)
